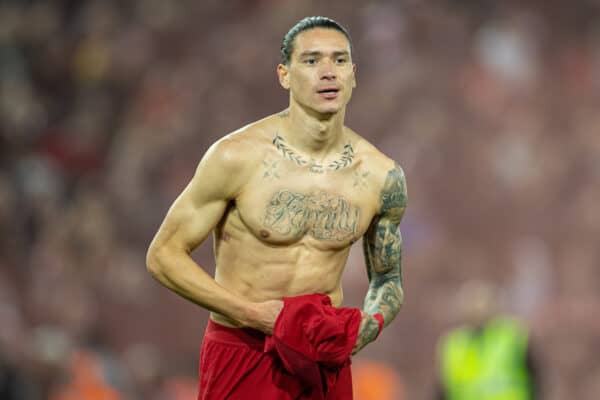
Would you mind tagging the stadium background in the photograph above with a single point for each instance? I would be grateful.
(106, 106)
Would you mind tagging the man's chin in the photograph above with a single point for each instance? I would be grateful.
(323, 111)
(328, 111)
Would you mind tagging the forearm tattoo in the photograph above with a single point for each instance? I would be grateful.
(382, 246)
(367, 332)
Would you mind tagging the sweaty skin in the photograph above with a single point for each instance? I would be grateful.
(286, 197)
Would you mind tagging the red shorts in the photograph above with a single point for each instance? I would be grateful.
(234, 366)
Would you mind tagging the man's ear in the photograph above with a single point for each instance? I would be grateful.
(284, 76)
(353, 76)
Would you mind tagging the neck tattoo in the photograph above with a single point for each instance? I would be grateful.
(286, 151)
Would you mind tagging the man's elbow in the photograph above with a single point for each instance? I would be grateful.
(154, 261)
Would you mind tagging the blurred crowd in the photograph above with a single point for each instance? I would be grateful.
(106, 107)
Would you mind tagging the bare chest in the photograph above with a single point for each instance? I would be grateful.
(331, 209)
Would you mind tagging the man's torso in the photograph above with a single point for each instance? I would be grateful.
(289, 230)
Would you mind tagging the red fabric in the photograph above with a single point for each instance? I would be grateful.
(311, 339)
(314, 341)
(233, 366)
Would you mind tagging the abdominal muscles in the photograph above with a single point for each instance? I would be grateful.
(258, 261)
(258, 271)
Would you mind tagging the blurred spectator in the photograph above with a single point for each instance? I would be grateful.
(375, 380)
(489, 356)
(85, 381)
(91, 374)
(14, 384)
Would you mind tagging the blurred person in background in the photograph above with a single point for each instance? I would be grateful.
(14, 383)
(87, 377)
(489, 357)
(286, 197)
(90, 370)
(377, 380)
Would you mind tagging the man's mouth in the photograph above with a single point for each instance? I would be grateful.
(328, 93)
(329, 90)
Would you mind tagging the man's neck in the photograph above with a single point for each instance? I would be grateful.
(313, 134)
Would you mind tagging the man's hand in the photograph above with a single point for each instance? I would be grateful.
(262, 316)
(367, 332)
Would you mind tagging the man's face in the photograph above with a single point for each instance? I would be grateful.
(320, 74)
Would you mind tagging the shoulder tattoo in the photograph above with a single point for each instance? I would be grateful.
(393, 194)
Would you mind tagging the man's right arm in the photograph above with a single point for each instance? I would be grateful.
(189, 221)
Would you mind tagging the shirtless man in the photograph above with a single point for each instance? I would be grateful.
(286, 197)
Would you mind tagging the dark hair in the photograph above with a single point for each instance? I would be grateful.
(287, 45)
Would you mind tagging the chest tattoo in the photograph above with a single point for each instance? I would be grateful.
(360, 178)
(320, 214)
(270, 169)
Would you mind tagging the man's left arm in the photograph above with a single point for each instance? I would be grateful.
(382, 246)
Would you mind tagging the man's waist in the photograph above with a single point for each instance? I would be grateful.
(234, 336)
(258, 292)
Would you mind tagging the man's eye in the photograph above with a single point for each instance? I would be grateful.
(310, 61)
(341, 60)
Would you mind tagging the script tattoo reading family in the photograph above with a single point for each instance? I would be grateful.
(326, 217)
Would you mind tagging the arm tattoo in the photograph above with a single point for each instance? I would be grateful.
(382, 246)
(368, 330)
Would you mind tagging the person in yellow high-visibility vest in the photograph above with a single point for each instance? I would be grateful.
(489, 358)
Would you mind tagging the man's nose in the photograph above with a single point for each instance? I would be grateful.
(328, 75)
(328, 72)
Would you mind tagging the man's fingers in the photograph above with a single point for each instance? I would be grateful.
(267, 313)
